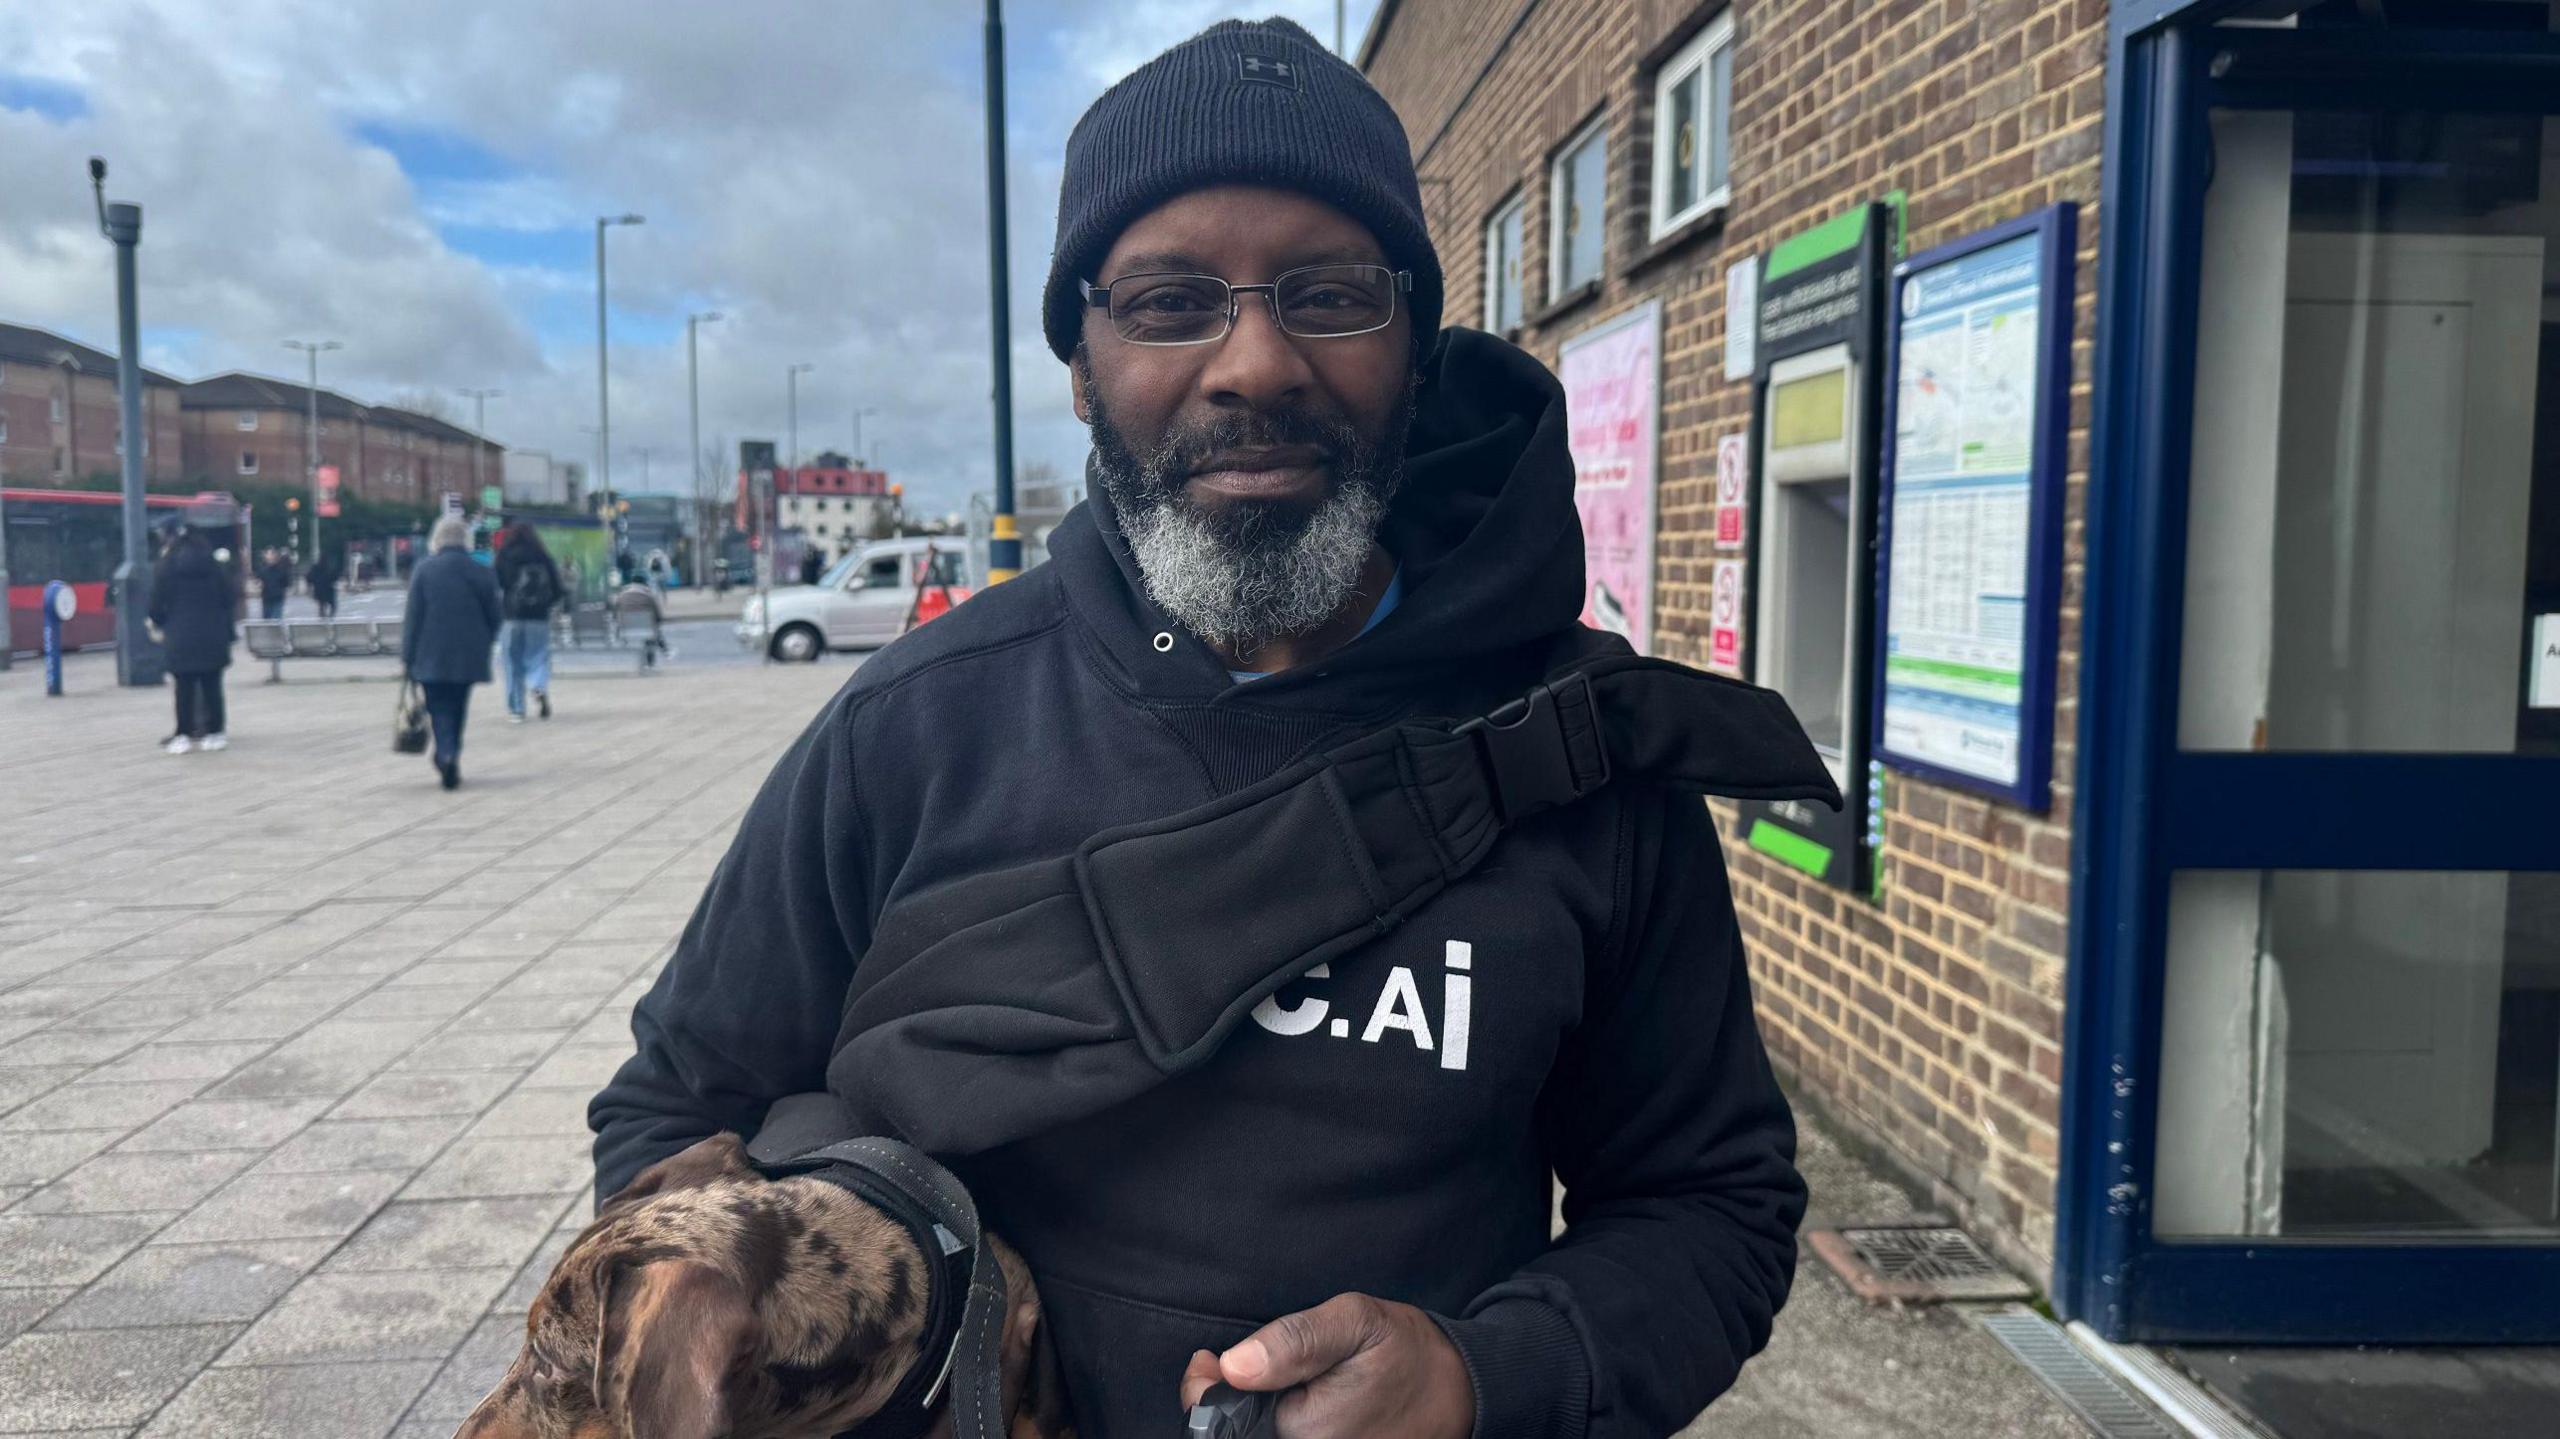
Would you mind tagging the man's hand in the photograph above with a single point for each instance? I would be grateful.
(1363, 1368)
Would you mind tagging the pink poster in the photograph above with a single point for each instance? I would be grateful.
(1612, 389)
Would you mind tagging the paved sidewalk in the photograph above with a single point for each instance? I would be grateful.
(295, 1047)
(295, 1050)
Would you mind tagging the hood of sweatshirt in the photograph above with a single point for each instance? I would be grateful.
(1482, 528)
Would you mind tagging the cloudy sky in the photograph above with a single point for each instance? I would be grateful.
(420, 182)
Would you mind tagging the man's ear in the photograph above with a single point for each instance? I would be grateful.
(673, 1337)
(1079, 380)
(718, 1158)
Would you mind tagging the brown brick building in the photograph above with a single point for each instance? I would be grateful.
(2129, 435)
(243, 427)
(1933, 1019)
(59, 417)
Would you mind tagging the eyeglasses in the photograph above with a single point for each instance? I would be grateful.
(1315, 302)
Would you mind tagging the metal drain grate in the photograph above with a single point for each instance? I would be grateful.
(2099, 1398)
(1915, 1265)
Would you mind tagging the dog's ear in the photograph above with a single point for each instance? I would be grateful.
(721, 1157)
(673, 1337)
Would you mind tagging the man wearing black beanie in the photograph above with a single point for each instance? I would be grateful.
(1323, 532)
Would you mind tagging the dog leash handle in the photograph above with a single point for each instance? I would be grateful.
(1226, 1412)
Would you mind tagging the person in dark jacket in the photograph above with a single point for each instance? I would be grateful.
(191, 604)
(1315, 514)
(323, 575)
(452, 620)
(532, 586)
(275, 584)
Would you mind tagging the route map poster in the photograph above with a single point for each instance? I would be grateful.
(1971, 497)
(1612, 377)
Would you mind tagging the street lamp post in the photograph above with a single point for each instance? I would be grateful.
(311, 437)
(1004, 546)
(861, 456)
(479, 431)
(138, 660)
(693, 412)
(791, 457)
(604, 405)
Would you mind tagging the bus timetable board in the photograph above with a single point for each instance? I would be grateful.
(1971, 517)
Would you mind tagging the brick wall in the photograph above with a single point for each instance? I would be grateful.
(32, 453)
(1932, 1021)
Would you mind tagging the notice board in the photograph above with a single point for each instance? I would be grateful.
(1970, 538)
(1612, 376)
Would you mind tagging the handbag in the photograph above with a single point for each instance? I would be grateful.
(409, 720)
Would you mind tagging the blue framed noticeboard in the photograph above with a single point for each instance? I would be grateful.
(1969, 530)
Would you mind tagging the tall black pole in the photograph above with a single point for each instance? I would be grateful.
(1004, 548)
(138, 660)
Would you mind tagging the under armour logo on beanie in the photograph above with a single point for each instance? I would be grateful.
(1262, 69)
(1240, 103)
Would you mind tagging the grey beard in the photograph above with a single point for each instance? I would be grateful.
(1240, 595)
(1245, 574)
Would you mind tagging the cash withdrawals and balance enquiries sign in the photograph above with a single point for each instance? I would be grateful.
(1971, 516)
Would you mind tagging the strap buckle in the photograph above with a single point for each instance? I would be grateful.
(1543, 749)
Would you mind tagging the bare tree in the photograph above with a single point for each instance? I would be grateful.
(429, 403)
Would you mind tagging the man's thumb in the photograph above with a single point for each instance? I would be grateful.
(1295, 1348)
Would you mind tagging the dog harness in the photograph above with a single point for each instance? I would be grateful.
(964, 1313)
(1009, 1003)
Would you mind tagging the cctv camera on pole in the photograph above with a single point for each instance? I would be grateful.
(138, 660)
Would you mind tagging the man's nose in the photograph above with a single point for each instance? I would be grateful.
(1257, 364)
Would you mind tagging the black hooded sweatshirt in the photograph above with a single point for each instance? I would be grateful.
(1607, 1027)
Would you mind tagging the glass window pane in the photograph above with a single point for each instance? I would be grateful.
(2360, 1054)
(1584, 220)
(2374, 502)
(1680, 134)
(1719, 118)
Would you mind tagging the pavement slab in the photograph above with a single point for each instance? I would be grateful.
(356, 1401)
(82, 1380)
(165, 1284)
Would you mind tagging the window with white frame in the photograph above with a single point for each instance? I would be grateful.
(248, 462)
(57, 409)
(1577, 209)
(247, 421)
(1692, 110)
(1503, 237)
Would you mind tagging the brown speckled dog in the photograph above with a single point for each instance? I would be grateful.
(707, 1302)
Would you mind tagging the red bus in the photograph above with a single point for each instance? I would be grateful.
(77, 536)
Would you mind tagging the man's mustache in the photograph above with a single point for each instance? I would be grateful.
(1183, 451)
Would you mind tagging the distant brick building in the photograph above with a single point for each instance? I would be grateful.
(59, 415)
(1596, 155)
(832, 502)
(241, 427)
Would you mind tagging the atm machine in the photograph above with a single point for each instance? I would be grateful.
(1818, 404)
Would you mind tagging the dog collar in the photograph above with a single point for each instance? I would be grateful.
(964, 1330)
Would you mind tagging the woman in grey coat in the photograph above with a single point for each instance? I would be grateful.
(451, 623)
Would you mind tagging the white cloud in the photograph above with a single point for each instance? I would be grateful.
(812, 168)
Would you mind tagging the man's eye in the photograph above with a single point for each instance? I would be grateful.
(1169, 302)
(1328, 298)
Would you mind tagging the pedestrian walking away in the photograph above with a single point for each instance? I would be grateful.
(192, 605)
(275, 583)
(813, 563)
(323, 575)
(1294, 888)
(446, 634)
(532, 585)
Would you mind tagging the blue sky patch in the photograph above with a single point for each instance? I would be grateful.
(51, 99)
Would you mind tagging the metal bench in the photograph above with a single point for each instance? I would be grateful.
(276, 641)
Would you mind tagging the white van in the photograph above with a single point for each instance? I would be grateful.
(864, 601)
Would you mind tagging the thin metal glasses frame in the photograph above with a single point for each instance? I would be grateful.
(1099, 297)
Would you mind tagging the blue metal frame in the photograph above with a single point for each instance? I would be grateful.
(2147, 809)
(2056, 229)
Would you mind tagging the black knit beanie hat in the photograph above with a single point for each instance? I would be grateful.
(1241, 103)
